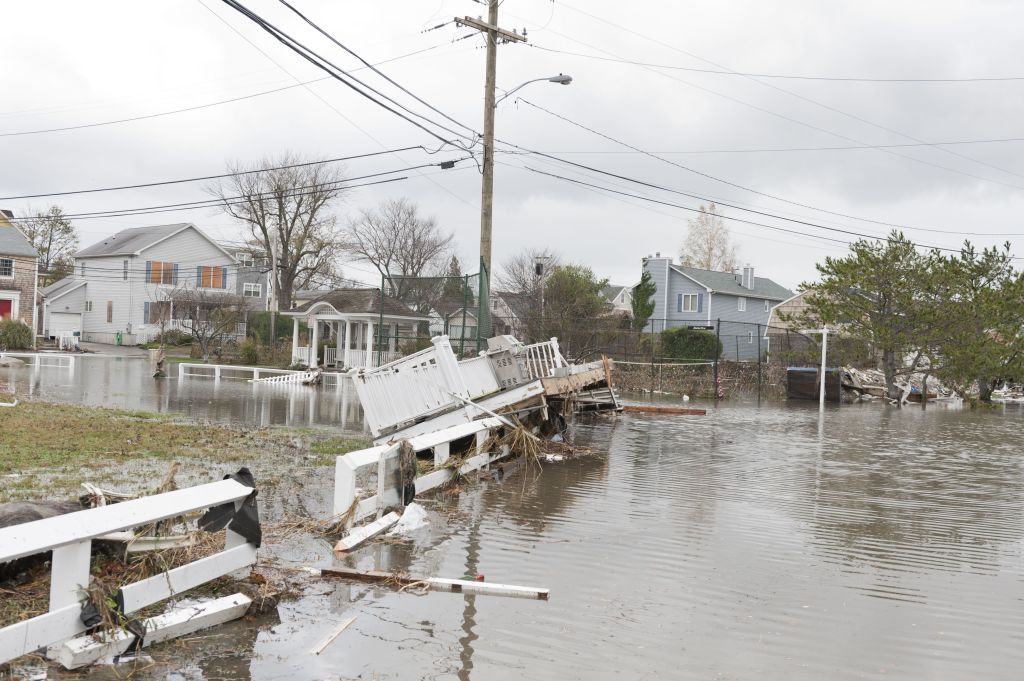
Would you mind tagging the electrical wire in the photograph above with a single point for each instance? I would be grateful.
(737, 185)
(215, 177)
(374, 68)
(198, 107)
(841, 79)
(333, 70)
(791, 119)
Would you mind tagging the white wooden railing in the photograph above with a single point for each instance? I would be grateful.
(43, 359)
(330, 356)
(478, 374)
(543, 358)
(302, 355)
(381, 457)
(412, 387)
(357, 358)
(70, 539)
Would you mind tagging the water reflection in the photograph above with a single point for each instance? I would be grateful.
(127, 383)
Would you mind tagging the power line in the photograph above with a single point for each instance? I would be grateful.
(673, 67)
(775, 150)
(215, 177)
(198, 107)
(172, 208)
(729, 182)
(374, 68)
(333, 70)
(741, 220)
(790, 119)
(326, 103)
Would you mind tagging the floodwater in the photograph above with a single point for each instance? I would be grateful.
(751, 543)
(128, 383)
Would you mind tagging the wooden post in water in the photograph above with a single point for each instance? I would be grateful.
(718, 345)
(759, 364)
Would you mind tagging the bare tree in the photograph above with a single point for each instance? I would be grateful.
(54, 238)
(401, 245)
(210, 316)
(708, 245)
(286, 206)
(521, 281)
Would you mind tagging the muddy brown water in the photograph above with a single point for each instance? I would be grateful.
(752, 543)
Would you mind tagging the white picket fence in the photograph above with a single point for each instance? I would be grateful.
(70, 539)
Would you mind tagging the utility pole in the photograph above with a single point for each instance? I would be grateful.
(487, 184)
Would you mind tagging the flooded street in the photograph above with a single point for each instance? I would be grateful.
(128, 383)
(751, 543)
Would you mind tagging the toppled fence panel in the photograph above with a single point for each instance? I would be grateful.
(70, 537)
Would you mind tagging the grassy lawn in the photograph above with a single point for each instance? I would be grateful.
(51, 446)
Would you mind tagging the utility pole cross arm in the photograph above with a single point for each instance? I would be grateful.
(484, 26)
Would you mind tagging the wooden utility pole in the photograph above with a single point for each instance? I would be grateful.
(494, 34)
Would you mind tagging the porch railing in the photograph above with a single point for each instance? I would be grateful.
(543, 358)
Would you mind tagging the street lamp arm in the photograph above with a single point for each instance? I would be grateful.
(561, 79)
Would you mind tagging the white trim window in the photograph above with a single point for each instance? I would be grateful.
(7, 268)
(687, 302)
(247, 260)
(250, 290)
(124, 270)
(766, 305)
(741, 304)
(88, 306)
(750, 337)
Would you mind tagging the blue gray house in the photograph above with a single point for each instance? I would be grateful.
(688, 296)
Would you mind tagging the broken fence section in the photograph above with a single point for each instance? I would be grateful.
(70, 538)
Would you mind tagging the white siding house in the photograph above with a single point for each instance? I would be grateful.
(131, 277)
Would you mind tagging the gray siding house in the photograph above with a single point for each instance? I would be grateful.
(252, 282)
(687, 296)
(125, 285)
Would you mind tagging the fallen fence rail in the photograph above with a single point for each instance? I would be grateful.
(70, 538)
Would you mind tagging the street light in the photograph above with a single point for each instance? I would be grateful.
(487, 184)
(561, 79)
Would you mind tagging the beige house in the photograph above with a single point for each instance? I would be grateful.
(18, 273)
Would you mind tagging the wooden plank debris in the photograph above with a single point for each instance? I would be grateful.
(438, 584)
(366, 532)
(85, 650)
(654, 409)
(319, 648)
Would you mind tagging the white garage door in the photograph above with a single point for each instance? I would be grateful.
(65, 323)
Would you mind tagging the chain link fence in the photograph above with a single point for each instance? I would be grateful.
(456, 306)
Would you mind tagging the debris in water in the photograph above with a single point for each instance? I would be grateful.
(413, 518)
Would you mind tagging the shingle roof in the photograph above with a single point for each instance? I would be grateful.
(129, 241)
(612, 290)
(361, 301)
(13, 242)
(57, 287)
(727, 282)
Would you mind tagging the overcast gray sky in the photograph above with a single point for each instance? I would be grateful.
(73, 63)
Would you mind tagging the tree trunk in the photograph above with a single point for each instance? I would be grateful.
(984, 390)
(284, 298)
(889, 369)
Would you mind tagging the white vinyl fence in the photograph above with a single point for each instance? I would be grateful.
(70, 539)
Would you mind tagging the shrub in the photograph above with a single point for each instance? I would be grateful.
(683, 343)
(250, 352)
(174, 337)
(15, 335)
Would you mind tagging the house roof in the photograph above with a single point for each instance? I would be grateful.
(611, 291)
(519, 303)
(59, 288)
(729, 283)
(137, 239)
(13, 242)
(360, 301)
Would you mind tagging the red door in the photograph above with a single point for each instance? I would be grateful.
(6, 309)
